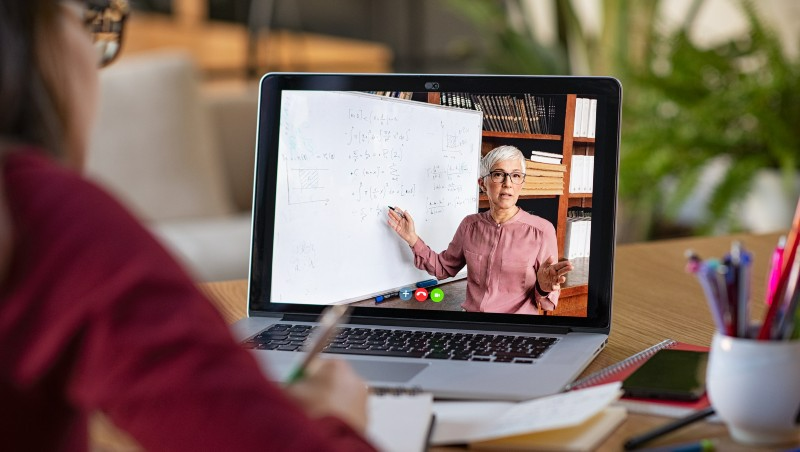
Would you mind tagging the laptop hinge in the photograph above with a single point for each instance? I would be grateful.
(384, 321)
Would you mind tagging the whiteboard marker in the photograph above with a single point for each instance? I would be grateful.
(398, 212)
(427, 283)
(380, 298)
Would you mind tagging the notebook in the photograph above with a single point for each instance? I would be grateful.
(577, 420)
(619, 371)
(400, 420)
(334, 151)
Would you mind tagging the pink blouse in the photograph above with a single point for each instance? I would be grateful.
(501, 260)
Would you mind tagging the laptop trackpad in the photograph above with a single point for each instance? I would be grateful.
(386, 370)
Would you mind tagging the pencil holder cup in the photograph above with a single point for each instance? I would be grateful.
(754, 387)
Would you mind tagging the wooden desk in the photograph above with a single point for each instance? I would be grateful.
(653, 300)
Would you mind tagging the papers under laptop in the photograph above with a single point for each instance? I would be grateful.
(462, 313)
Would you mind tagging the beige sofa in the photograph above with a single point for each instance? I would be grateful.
(180, 154)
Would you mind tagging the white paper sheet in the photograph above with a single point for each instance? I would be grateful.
(465, 422)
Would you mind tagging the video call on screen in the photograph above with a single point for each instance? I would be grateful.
(345, 157)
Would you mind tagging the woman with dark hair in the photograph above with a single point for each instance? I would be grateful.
(94, 314)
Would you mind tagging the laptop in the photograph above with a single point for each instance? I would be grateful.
(335, 151)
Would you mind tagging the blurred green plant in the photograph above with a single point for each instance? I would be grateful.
(684, 105)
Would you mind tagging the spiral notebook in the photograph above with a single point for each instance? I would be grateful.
(400, 419)
(621, 370)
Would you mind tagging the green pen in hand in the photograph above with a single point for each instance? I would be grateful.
(328, 322)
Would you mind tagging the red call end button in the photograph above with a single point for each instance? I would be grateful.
(421, 294)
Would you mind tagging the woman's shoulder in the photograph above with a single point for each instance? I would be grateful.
(52, 202)
(36, 183)
(535, 221)
(474, 218)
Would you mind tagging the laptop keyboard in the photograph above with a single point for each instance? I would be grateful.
(409, 344)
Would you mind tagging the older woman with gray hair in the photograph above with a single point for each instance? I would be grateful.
(511, 255)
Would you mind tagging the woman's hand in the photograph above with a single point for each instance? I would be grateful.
(332, 388)
(402, 223)
(552, 274)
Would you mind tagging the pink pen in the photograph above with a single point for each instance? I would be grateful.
(775, 270)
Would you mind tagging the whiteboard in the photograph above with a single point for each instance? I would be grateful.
(343, 157)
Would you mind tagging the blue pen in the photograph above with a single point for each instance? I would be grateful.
(706, 275)
(427, 283)
(746, 260)
(729, 314)
(705, 445)
(380, 298)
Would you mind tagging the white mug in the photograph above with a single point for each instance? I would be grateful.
(754, 387)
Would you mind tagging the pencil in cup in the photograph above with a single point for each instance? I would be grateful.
(768, 330)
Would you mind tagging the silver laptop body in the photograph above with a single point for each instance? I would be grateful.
(317, 219)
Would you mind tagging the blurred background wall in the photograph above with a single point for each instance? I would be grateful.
(710, 140)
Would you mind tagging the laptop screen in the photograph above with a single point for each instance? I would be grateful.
(436, 197)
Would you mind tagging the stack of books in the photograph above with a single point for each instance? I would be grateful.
(579, 232)
(581, 173)
(545, 174)
(585, 117)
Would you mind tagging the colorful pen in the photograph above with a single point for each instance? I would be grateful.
(741, 261)
(669, 427)
(789, 255)
(704, 445)
(383, 297)
(693, 261)
(707, 276)
(775, 270)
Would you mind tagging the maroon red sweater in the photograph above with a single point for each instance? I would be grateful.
(95, 315)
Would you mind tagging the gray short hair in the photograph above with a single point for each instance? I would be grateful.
(499, 154)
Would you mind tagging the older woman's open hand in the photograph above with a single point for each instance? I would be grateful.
(552, 274)
(402, 223)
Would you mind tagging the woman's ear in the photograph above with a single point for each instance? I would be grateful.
(480, 185)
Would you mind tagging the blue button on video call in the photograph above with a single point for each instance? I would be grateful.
(406, 294)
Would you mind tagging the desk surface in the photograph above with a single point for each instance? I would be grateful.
(653, 300)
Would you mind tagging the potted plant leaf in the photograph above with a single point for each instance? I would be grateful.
(687, 110)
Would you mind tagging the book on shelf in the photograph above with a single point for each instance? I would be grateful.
(542, 159)
(576, 128)
(549, 155)
(544, 173)
(621, 370)
(592, 118)
(584, 419)
(542, 191)
(531, 165)
(543, 182)
(585, 117)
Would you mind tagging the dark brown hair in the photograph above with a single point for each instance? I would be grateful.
(30, 109)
